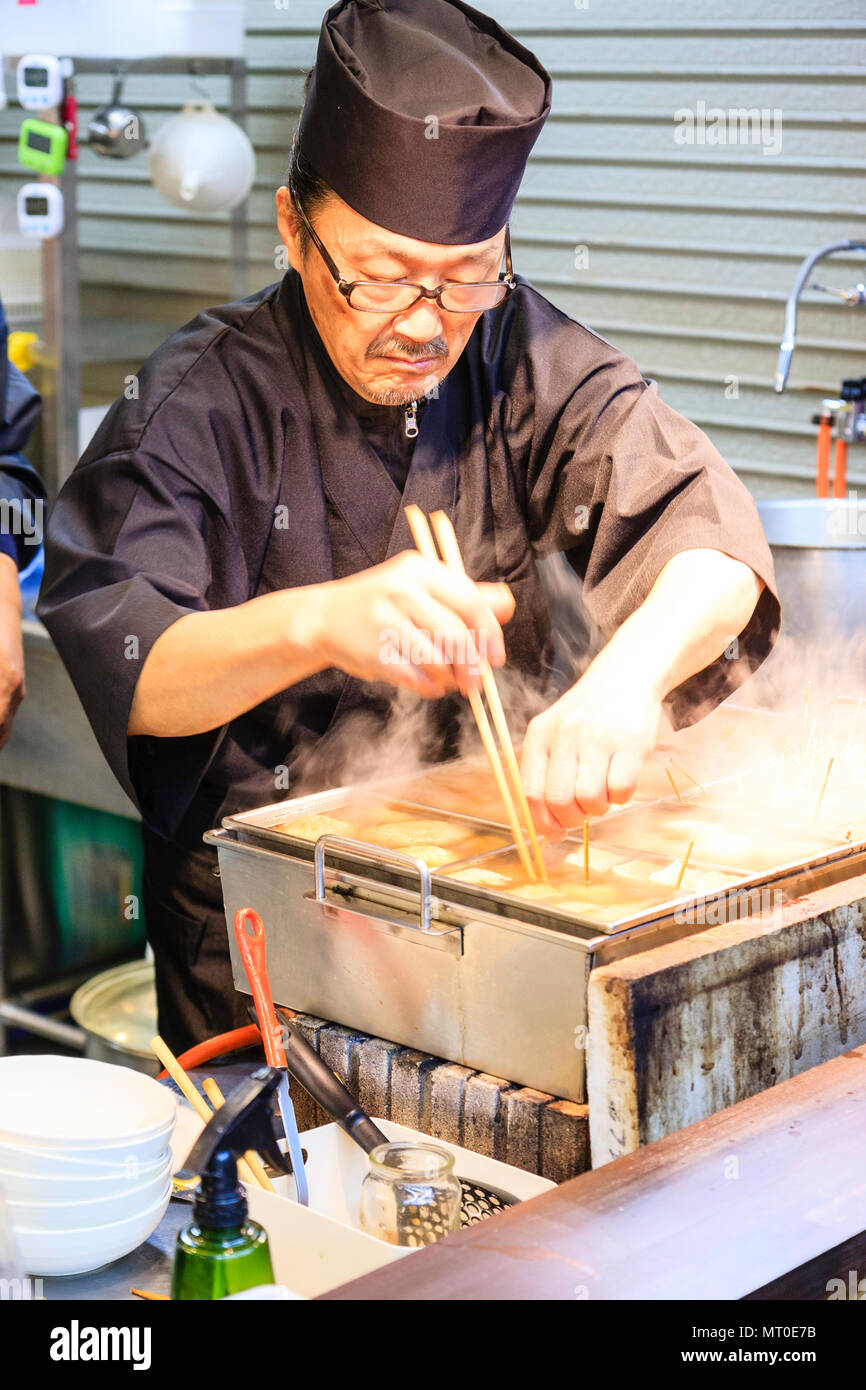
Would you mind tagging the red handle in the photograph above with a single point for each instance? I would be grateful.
(840, 472)
(251, 944)
(216, 1047)
(825, 436)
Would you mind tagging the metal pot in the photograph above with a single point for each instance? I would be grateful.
(819, 549)
(116, 1011)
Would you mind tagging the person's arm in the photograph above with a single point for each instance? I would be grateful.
(588, 749)
(21, 487)
(667, 541)
(23, 498)
(403, 622)
(11, 647)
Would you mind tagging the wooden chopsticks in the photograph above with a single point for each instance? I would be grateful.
(450, 552)
(249, 1171)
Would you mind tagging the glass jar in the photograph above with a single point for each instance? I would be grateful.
(410, 1196)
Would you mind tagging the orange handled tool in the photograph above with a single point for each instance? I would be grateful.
(825, 441)
(840, 468)
(250, 936)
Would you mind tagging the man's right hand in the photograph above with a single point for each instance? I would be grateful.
(415, 624)
(410, 622)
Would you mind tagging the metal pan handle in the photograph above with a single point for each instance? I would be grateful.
(390, 856)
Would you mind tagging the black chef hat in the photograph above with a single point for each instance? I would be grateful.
(421, 115)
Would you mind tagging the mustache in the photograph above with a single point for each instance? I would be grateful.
(392, 345)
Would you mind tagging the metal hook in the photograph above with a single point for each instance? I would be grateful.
(197, 86)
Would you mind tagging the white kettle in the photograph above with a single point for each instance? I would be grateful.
(201, 161)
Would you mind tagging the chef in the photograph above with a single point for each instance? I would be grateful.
(230, 577)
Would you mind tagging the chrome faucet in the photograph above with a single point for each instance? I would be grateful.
(854, 296)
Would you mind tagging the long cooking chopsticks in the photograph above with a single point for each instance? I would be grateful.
(450, 550)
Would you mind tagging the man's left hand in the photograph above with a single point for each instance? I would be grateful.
(587, 750)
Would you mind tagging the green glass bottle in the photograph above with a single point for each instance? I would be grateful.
(222, 1251)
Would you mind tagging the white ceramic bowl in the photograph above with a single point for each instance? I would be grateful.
(75, 1103)
(94, 1211)
(77, 1250)
(29, 1187)
(61, 1163)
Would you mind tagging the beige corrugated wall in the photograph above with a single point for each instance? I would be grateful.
(682, 254)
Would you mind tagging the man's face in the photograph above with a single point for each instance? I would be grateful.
(388, 358)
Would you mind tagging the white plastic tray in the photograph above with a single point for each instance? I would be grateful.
(317, 1248)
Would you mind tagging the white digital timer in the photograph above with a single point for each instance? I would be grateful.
(40, 210)
(40, 81)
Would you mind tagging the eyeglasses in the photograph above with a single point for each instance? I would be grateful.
(387, 297)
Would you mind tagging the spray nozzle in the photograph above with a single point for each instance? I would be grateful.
(244, 1122)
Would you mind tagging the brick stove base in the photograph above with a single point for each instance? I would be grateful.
(539, 1133)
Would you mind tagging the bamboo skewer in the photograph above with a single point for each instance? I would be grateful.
(789, 752)
(198, 1103)
(809, 750)
(218, 1100)
(424, 541)
(670, 777)
(694, 781)
(682, 873)
(824, 786)
(586, 854)
(448, 545)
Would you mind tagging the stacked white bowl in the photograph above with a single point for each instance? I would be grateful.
(85, 1160)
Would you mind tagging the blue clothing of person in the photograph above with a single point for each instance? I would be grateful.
(22, 496)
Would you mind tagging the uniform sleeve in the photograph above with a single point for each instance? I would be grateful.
(133, 544)
(621, 482)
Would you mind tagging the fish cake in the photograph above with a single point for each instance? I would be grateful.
(481, 878)
(419, 832)
(434, 856)
(312, 827)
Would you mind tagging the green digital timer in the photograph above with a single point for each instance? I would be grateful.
(42, 146)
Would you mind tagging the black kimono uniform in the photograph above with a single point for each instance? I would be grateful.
(247, 465)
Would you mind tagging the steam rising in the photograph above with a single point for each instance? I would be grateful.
(805, 706)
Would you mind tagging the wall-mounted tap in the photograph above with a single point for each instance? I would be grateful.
(855, 296)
